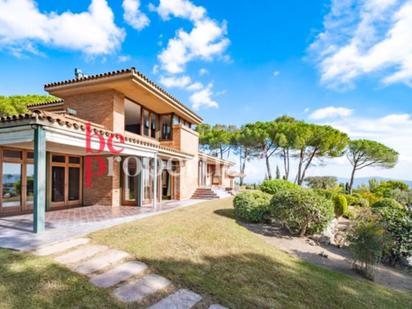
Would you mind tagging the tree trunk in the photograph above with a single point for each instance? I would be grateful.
(298, 176)
(268, 166)
(242, 168)
(304, 228)
(286, 163)
(352, 178)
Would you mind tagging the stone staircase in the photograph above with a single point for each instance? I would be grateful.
(131, 281)
(205, 194)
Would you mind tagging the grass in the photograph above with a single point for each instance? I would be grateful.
(203, 248)
(27, 282)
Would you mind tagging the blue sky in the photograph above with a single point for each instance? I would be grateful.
(347, 63)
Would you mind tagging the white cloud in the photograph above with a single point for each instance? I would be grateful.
(180, 8)
(205, 41)
(93, 32)
(329, 112)
(365, 37)
(203, 71)
(203, 98)
(175, 81)
(275, 73)
(195, 86)
(133, 16)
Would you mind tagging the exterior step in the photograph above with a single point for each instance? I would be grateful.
(204, 194)
(182, 299)
(80, 254)
(118, 274)
(139, 289)
(60, 246)
(101, 261)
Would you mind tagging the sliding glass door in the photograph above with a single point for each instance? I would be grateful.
(65, 180)
(16, 180)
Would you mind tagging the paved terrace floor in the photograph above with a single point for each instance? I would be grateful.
(16, 232)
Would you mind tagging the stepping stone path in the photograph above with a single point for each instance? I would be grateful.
(61, 246)
(182, 299)
(80, 254)
(139, 289)
(101, 261)
(107, 269)
(119, 274)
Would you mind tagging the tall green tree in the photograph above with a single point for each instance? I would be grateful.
(313, 141)
(17, 104)
(216, 139)
(246, 146)
(362, 153)
(282, 133)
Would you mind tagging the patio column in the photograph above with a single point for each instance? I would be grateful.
(155, 181)
(39, 203)
(140, 186)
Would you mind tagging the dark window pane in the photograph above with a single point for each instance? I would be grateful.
(14, 154)
(146, 122)
(154, 126)
(74, 183)
(30, 155)
(59, 159)
(11, 184)
(74, 160)
(57, 184)
(30, 184)
(166, 126)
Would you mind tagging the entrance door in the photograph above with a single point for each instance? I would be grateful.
(130, 183)
(65, 180)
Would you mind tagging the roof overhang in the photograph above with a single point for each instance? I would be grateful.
(133, 85)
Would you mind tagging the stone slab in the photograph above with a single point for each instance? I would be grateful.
(217, 306)
(60, 246)
(101, 261)
(139, 289)
(118, 274)
(80, 254)
(182, 299)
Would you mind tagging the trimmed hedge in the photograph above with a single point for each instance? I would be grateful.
(251, 206)
(341, 205)
(274, 186)
(301, 211)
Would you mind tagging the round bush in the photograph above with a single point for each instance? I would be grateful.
(326, 193)
(274, 186)
(251, 206)
(387, 202)
(341, 205)
(398, 225)
(301, 211)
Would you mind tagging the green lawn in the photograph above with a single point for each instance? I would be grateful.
(27, 282)
(204, 249)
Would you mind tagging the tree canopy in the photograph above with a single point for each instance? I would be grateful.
(363, 153)
(17, 104)
(321, 182)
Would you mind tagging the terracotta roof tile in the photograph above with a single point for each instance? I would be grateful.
(131, 70)
(40, 104)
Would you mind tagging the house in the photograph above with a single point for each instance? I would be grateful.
(114, 139)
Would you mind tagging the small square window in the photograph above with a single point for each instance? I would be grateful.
(74, 160)
(58, 159)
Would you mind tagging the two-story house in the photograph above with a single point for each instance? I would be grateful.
(114, 139)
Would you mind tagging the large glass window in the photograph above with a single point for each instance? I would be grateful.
(153, 125)
(12, 178)
(133, 117)
(74, 183)
(58, 175)
(146, 122)
(166, 127)
(29, 183)
(147, 180)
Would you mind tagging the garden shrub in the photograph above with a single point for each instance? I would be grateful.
(251, 206)
(387, 202)
(273, 186)
(341, 205)
(371, 197)
(398, 225)
(328, 194)
(367, 243)
(301, 211)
